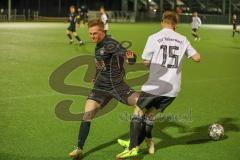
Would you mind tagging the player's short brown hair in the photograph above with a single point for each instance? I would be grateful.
(170, 17)
(96, 22)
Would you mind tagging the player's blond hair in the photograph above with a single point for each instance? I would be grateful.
(195, 14)
(170, 17)
(96, 22)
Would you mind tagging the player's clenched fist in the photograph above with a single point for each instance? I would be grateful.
(131, 57)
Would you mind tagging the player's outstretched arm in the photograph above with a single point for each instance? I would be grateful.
(192, 53)
(196, 57)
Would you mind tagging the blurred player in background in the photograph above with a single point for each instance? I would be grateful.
(83, 12)
(196, 23)
(163, 54)
(234, 22)
(104, 19)
(74, 22)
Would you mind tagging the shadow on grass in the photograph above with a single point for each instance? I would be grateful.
(197, 135)
(107, 144)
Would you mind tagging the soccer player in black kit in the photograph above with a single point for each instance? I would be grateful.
(74, 21)
(234, 22)
(109, 80)
(83, 12)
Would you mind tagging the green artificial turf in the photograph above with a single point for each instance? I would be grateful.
(30, 129)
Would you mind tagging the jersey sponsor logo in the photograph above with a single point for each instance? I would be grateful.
(101, 51)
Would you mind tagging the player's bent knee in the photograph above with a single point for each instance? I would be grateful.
(88, 116)
(132, 100)
(91, 109)
(150, 114)
(138, 111)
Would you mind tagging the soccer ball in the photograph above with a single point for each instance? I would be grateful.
(216, 131)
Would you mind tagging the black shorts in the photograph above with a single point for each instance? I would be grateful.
(71, 28)
(148, 101)
(120, 92)
(194, 30)
(234, 27)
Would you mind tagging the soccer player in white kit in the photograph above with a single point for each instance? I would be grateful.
(234, 22)
(163, 54)
(196, 23)
(104, 19)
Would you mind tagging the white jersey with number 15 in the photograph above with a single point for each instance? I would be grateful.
(166, 50)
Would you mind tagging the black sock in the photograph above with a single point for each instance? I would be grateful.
(149, 127)
(233, 33)
(78, 38)
(83, 133)
(135, 127)
(142, 133)
(196, 35)
(69, 36)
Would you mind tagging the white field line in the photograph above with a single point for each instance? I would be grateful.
(22, 25)
(57, 94)
(213, 26)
